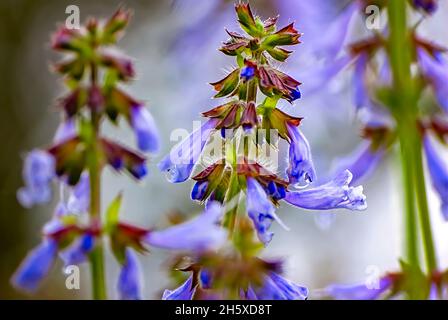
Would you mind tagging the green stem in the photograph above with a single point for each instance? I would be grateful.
(97, 256)
(411, 240)
(405, 111)
(422, 202)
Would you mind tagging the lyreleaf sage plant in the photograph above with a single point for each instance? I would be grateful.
(239, 170)
(400, 81)
(93, 71)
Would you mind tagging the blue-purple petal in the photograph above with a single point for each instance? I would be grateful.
(301, 168)
(361, 95)
(438, 170)
(179, 163)
(78, 252)
(130, 278)
(38, 171)
(361, 162)
(261, 210)
(436, 73)
(199, 234)
(334, 194)
(184, 292)
(35, 266)
(145, 129)
(79, 199)
(66, 130)
(275, 287)
(359, 291)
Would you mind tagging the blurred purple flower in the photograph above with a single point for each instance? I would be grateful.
(360, 291)
(438, 170)
(148, 139)
(437, 73)
(79, 200)
(429, 6)
(182, 158)
(36, 266)
(301, 168)
(275, 287)
(130, 278)
(184, 292)
(78, 252)
(336, 193)
(361, 162)
(65, 131)
(199, 234)
(38, 171)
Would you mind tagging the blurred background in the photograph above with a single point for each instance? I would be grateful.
(175, 46)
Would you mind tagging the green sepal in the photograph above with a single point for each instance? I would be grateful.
(113, 214)
(227, 85)
(414, 282)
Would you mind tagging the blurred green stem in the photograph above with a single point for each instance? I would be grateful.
(97, 256)
(404, 108)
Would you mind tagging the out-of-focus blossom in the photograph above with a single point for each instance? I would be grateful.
(429, 6)
(275, 287)
(130, 278)
(79, 200)
(436, 72)
(36, 266)
(201, 233)
(361, 162)
(360, 291)
(438, 169)
(78, 252)
(145, 129)
(38, 171)
(65, 131)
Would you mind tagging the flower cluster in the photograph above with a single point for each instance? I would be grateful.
(377, 80)
(238, 178)
(94, 71)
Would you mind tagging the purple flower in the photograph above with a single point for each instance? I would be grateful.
(199, 234)
(261, 210)
(145, 129)
(438, 170)
(130, 277)
(361, 96)
(247, 73)
(360, 291)
(429, 6)
(65, 131)
(77, 253)
(361, 162)
(38, 171)
(334, 194)
(333, 39)
(36, 266)
(184, 292)
(182, 158)
(301, 168)
(276, 287)
(437, 73)
(199, 190)
(79, 200)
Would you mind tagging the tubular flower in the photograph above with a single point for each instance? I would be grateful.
(336, 193)
(438, 170)
(130, 278)
(38, 172)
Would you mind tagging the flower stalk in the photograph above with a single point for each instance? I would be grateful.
(405, 112)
